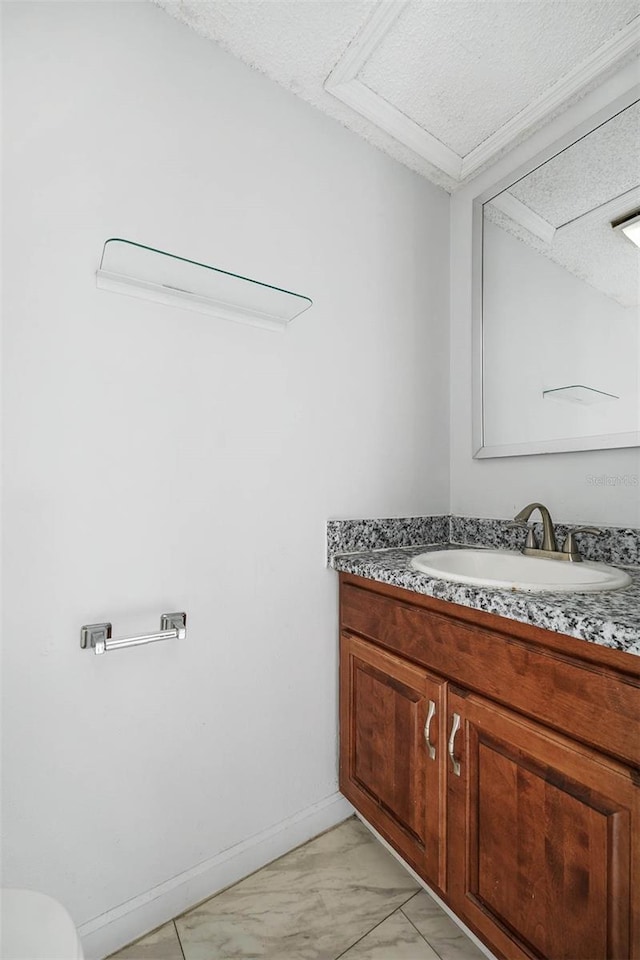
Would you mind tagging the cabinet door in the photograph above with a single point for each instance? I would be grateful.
(541, 855)
(391, 752)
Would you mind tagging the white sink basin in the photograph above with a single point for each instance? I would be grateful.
(506, 569)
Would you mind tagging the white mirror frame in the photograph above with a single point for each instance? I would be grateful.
(564, 445)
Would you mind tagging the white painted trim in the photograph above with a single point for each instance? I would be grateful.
(128, 921)
(158, 293)
(388, 118)
(477, 334)
(605, 441)
(458, 922)
(520, 213)
(343, 83)
(607, 55)
(363, 45)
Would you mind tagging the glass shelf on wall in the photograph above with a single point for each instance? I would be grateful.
(578, 393)
(149, 274)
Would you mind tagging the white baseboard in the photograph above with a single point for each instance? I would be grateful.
(435, 896)
(128, 921)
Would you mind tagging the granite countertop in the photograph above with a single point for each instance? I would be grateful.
(611, 619)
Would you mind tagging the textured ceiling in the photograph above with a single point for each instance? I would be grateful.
(451, 72)
(568, 192)
(604, 164)
(463, 69)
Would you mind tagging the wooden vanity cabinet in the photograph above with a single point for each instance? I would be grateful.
(521, 819)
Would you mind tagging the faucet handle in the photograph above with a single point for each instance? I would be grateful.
(531, 541)
(570, 545)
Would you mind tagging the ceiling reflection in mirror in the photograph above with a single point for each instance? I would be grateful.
(560, 299)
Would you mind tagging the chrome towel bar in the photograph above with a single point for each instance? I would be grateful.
(97, 636)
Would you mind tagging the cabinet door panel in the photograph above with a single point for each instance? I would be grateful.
(386, 767)
(390, 715)
(545, 869)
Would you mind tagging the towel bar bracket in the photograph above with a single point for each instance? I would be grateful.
(175, 621)
(95, 635)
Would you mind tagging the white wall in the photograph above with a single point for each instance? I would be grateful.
(601, 486)
(159, 460)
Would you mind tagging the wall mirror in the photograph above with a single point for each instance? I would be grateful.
(556, 297)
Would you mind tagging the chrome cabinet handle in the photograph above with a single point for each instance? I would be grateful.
(427, 729)
(455, 726)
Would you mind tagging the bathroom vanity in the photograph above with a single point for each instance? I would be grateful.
(500, 760)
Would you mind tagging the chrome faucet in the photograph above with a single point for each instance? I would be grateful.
(549, 549)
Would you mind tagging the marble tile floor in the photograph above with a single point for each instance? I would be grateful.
(342, 895)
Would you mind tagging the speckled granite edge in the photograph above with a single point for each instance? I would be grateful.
(352, 536)
(610, 620)
(618, 545)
